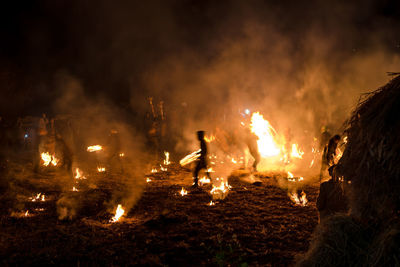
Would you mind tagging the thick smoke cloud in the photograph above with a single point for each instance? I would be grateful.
(303, 64)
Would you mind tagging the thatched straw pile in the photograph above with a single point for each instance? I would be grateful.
(370, 234)
(372, 156)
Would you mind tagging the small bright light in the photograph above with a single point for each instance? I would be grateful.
(247, 111)
(26, 135)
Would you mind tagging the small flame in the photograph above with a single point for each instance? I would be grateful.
(47, 159)
(121, 154)
(221, 191)
(101, 169)
(211, 203)
(302, 201)
(43, 198)
(163, 169)
(37, 197)
(166, 160)
(118, 213)
(79, 174)
(154, 170)
(94, 148)
(339, 154)
(27, 213)
(312, 163)
(183, 192)
(148, 180)
(75, 189)
(296, 152)
(233, 161)
(209, 139)
(204, 180)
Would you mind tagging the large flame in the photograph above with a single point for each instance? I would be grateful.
(118, 213)
(265, 133)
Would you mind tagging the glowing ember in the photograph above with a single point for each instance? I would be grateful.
(211, 203)
(190, 158)
(183, 192)
(296, 152)
(101, 169)
(43, 199)
(166, 160)
(265, 133)
(27, 213)
(121, 154)
(75, 189)
(204, 180)
(94, 148)
(79, 174)
(118, 213)
(47, 159)
(302, 201)
(154, 170)
(148, 180)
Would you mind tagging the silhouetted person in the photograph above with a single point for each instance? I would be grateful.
(330, 150)
(66, 152)
(201, 162)
(325, 136)
(251, 141)
(331, 198)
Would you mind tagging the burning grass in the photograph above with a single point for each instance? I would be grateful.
(254, 224)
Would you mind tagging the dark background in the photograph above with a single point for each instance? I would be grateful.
(110, 46)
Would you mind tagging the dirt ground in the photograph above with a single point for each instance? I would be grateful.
(255, 225)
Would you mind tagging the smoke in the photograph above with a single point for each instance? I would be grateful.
(302, 71)
(95, 121)
(302, 65)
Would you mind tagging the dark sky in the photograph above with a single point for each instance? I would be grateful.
(110, 46)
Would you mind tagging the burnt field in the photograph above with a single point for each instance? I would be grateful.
(256, 224)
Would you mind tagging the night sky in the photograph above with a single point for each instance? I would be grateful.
(113, 47)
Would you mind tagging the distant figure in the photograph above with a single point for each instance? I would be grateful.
(43, 124)
(66, 152)
(329, 154)
(331, 198)
(330, 150)
(251, 141)
(201, 162)
(325, 136)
